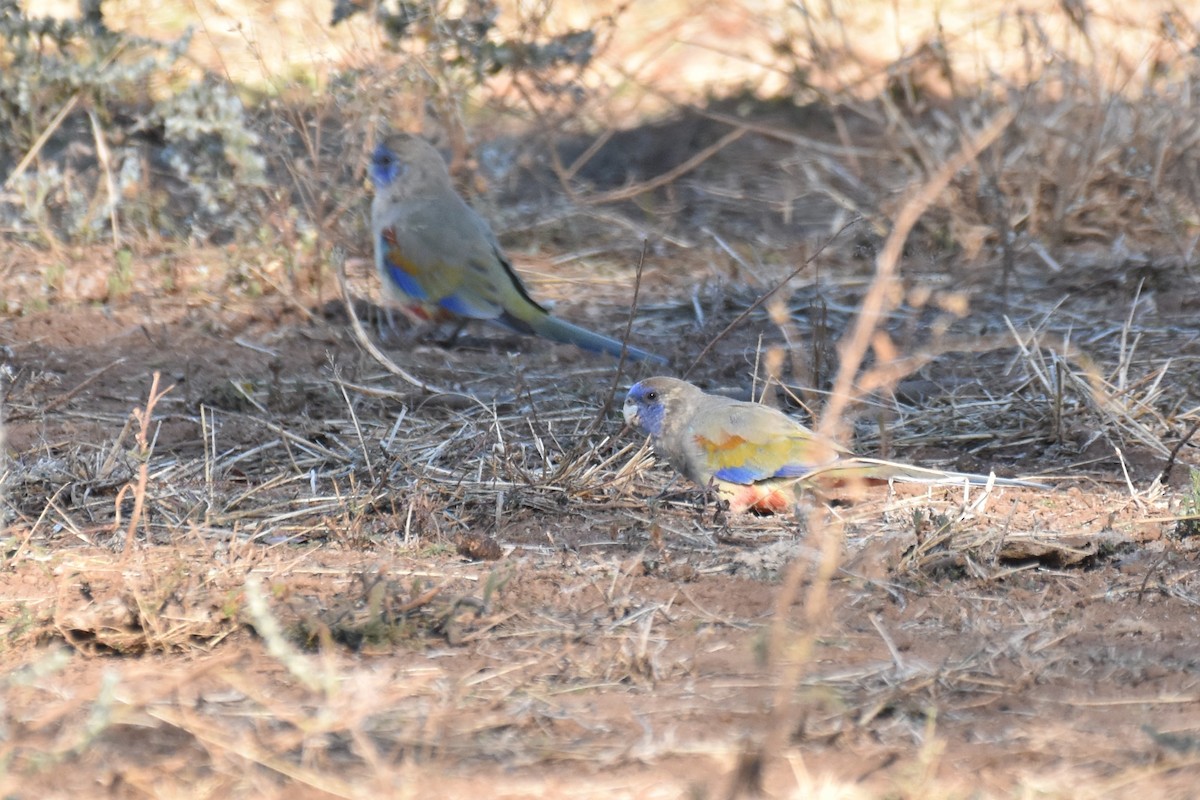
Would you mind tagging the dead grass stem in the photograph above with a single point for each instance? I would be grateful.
(625, 629)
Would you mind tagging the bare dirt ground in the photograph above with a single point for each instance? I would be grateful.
(299, 613)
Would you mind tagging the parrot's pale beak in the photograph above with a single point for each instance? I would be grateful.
(630, 410)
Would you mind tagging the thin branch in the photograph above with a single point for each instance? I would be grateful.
(765, 296)
(612, 390)
(1165, 475)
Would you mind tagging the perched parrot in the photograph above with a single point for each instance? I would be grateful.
(439, 260)
(754, 456)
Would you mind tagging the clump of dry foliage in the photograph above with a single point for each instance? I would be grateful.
(962, 237)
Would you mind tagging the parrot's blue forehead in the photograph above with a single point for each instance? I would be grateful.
(644, 395)
(385, 168)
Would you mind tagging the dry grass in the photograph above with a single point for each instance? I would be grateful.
(249, 584)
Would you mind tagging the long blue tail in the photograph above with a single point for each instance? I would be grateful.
(559, 331)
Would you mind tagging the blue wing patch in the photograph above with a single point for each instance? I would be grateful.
(742, 475)
(792, 471)
(456, 305)
(403, 281)
(747, 475)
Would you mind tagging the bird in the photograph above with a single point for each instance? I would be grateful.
(757, 457)
(439, 260)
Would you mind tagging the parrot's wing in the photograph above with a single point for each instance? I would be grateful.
(748, 442)
(455, 265)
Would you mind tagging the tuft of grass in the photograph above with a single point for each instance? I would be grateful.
(323, 504)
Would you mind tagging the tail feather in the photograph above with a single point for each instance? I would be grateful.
(560, 331)
(878, 469)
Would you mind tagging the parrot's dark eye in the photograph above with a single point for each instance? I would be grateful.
(651, 395)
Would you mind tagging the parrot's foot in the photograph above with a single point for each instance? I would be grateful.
(386, 329)
(447, 341)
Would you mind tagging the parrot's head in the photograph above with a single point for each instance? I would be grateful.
(650, 402)
(404, 165)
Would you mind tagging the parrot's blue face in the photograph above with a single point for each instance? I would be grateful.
(644, 408)
(385, 168)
